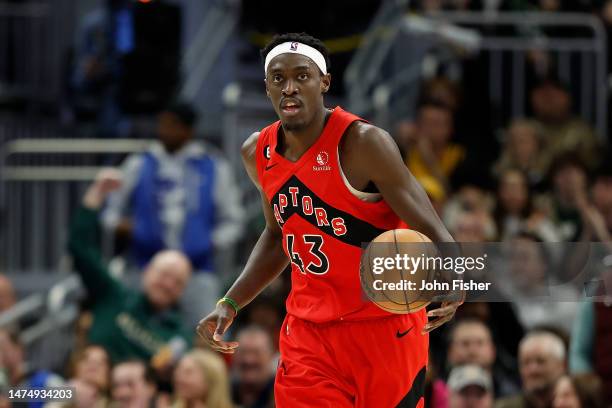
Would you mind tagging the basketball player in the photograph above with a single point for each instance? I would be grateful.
(329, 181)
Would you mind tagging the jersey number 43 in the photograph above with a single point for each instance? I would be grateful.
(319, 265)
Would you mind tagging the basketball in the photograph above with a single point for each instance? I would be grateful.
(397, 289)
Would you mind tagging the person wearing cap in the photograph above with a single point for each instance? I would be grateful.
(471, 387)
(178, 194)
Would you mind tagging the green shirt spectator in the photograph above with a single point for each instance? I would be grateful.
(128, 323)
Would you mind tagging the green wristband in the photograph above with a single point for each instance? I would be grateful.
(230, 302)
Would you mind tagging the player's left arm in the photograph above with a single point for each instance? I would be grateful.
(378, 159)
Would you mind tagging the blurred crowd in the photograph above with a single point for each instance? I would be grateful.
(175, 212)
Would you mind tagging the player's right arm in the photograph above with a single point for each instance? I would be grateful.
(266, 262)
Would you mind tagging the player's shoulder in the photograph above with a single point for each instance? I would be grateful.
(365, 136)
(249, 147)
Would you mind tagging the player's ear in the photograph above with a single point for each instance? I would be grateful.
(325, 82)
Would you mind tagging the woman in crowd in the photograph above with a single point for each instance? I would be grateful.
(89, 374)
(201, 381)
(578, 391)
(523, 150)
(514, 211)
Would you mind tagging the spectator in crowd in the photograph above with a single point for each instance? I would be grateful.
(578, 391)
(12, 365)
(602, 195)
(201, 381)
(254, 368)
(443, 90)
(90, 376)
(432, 158)
(471, 387)
(541, 364)
(105, 35)
(179, 194)
(515, 212)
(532, 286)
(591, 345)
(569, 179)
(471, 342)
(562, 131)
(468, 215)
(473, 226)
(7, 294)
(267, 311)
(132, 385)
(522, 150)
(436, 391)
(14, 371)
(127, 323)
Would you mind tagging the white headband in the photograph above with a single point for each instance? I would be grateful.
(297, 48)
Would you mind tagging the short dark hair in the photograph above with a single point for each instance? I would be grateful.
(147, 371)
(565, 160)
(184, 111)
(466, 321)
(303, 38)
(552, 79)
(435, 104)
(589, 389)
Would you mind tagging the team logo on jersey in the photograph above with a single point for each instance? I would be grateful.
(322, 159)
(293, 46)
(267, 152)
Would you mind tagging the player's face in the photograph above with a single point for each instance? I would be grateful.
(295, 85)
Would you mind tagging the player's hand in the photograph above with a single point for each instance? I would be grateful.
(213, 326)
(443, 314)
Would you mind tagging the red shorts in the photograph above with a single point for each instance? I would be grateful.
(370, 363)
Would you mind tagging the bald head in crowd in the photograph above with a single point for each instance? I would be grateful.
(166, 277)
(542, 361)
(7, 294)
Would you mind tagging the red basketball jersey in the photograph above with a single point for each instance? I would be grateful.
(323, 224)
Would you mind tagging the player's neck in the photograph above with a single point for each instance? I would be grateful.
(297, 142)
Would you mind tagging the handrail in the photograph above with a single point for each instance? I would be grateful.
(517, 17)
(49, 324)
(57, 310)
(50, 173)
(22, 308)
(63, 146)
(58, 294)
(67, 145)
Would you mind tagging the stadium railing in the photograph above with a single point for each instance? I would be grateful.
(405, 47)
(42, 182)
